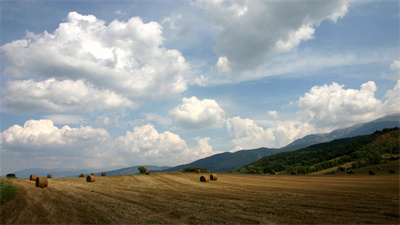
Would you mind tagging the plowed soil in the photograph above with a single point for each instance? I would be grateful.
(172, 198)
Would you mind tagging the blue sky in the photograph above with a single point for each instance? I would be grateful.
(124, 83)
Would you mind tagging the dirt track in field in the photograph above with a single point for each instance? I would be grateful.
(180, 198)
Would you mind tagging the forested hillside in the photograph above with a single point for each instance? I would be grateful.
(361, 150)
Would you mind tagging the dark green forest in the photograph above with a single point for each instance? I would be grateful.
(363, 151)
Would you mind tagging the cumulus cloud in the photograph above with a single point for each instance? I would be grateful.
(391, 105)
(42, 134)
(146, 145)
(125, 57)
(395, 67)
(251, 31)
(322, 109)
(195, 114)
(333, 106)
(85, 146)
(28, 96)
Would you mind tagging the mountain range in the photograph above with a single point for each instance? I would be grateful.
(345, 153)
(75, 172)
(227, 161)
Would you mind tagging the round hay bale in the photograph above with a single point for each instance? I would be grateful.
(350, 171)
(103, 174)
(273, 172)
(204, 179)
(293, 172)
(90, 178)
(81, 175)
(254, 171)
(197, 171)
(42, 182)
(392, 171)
(371, 172)
(48, 175)
(92, 174)
(33, 177)
(213, 177)
(147, 172)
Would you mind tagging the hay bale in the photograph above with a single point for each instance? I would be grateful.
(392, 171)
(147, 172)
(273, 172)
(293, 172)
(48, 175)
(197, 171)
(254, 171)
(204, 179)
(33, 177)
(81, 175)
(90, 178)
(103, 174)
(42, 182)
(213, 177)
(350, 171)
(92, 174)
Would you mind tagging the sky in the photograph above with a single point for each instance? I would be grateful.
(101, 84)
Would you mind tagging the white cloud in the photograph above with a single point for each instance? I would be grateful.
(248, 134)
(105, 121)
(82, 147)
(146, 145)
(332, 106)
(395, 67)
(303, 33)
(125, 57)
(195, 114)
(37, 134)
(223, 65)
(322, 109)
(273, 114)
(252, 31)
(392, 103)
(52, 95)
(172, 20)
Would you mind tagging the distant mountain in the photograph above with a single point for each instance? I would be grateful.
(134, 170)
(64, 172)
(389, 121)
(75, 172)
(360, 151)
(228, 161)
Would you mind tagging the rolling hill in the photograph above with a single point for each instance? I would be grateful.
(362, 151)
(228, 161)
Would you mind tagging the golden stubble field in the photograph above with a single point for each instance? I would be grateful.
(173, 198)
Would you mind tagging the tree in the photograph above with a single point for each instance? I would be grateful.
(142, 169)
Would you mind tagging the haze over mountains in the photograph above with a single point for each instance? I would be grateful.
(227, 161)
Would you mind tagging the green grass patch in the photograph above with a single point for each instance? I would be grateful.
(7, 190)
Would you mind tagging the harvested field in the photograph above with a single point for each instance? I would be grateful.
(234, 198)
